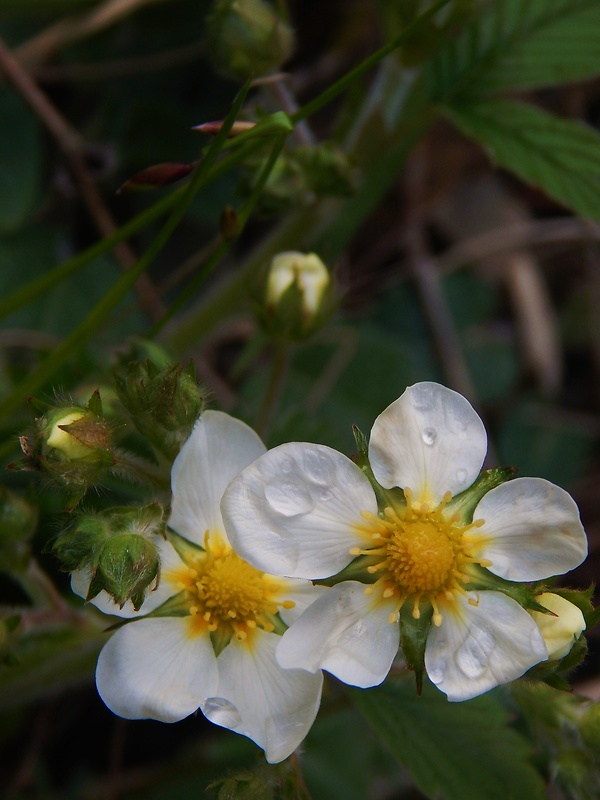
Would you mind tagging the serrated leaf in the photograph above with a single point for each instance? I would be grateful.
(560, 156)
(454, 751)
(519, 44)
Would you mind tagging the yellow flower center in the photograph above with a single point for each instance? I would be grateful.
(420, 553)
(227, 595)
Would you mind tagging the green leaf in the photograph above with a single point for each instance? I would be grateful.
(454, 751)
(519, 44)
(20, 160)
(560, 156)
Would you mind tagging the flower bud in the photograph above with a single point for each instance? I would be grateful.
(71, 445)
(562, 627)
(164, 402)
(18, 520)
(116, 547)
(297, 295)
(247, 37)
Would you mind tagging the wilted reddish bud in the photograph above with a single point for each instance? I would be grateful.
(212, 128)
(156, 176)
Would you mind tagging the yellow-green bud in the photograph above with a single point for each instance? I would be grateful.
(562, 627)
(63, 440)
(247, 37)
(297, 292)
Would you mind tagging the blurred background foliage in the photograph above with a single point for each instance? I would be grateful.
(446, 267)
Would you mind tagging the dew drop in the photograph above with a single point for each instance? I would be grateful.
(326, 496)
(318, 467)
(472, 656)
(221, 712)
(429, 436)
(461, 475)
(289, 499)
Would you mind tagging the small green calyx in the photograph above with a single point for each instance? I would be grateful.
(164, 402)
(118, 549)
(125, 567)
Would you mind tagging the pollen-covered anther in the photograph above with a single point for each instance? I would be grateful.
(422, 553)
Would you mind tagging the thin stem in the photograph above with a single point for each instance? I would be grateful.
(86, 329)
(350, 77)
(274, 389)
(242, 218)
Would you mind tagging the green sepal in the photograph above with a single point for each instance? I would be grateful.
(465, 503)
(221, 638)
(186, 550)
(95, 403)
(355, 571)
(385, 497)
(176, 606)
(413, 638)
(523, 593)
(125, 567)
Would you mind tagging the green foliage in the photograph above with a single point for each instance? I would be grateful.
(562, 157)
(518, 45)
(462, 751)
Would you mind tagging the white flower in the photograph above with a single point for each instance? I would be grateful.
(212, 646)
(306, 511)
(562, 627)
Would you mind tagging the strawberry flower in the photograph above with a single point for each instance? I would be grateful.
(435, 546)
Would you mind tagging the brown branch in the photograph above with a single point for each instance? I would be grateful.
(73, 149)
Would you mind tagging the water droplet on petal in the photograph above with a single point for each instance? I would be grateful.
(326, 495)
(288, 498)
(461, 475)
(472, 655)
(221, 712)
(318, 467)
(429, 436)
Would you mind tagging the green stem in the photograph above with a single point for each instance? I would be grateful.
(221, 250)
(86, 329)
(347, 80)
(273, 393)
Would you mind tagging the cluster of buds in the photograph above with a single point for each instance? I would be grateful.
(297, 296)
(116, 548)
(163, 400)
(70, 444)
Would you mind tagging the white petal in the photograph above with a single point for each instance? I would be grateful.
(430, 440)
(154, 669)
(255, 697)
(302, 593)
(155, 597)
(293, 511)
(532, 530)
(345, 632)
(479, 647)
(217, 449)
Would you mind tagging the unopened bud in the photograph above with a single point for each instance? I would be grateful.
(155, 177)
(562, 627)
(297, 291)
(247, 37)
(72, 445)
(116, 547)
(164, 402)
